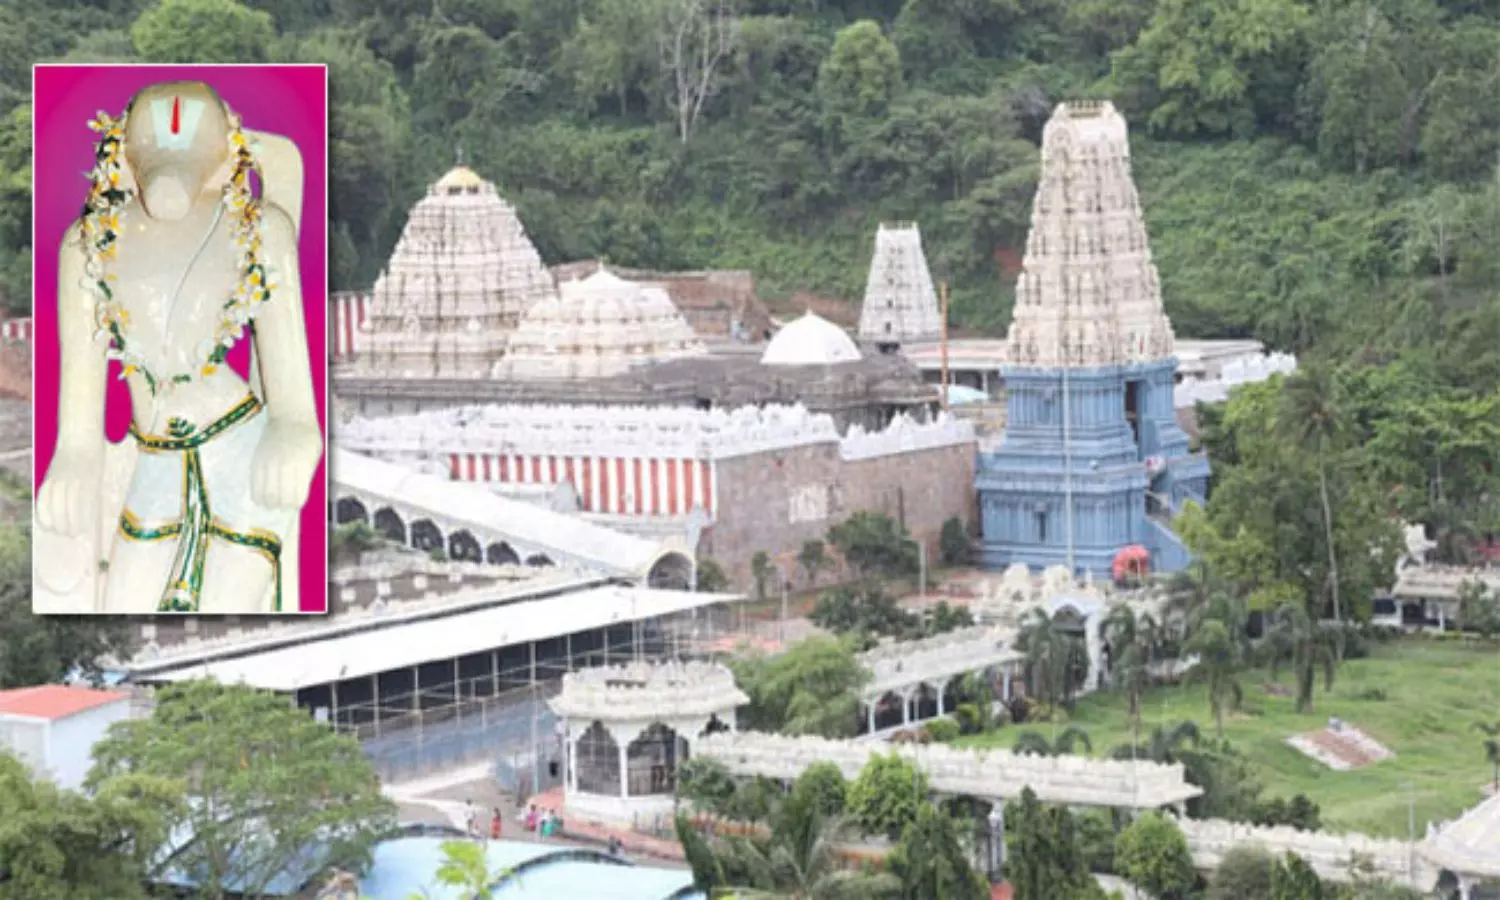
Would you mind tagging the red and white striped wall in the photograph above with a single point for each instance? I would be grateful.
(15, 331)
(618, 486)
(348, 317)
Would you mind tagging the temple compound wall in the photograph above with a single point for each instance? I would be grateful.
(752, 479)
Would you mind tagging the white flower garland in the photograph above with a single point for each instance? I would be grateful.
(100, 230)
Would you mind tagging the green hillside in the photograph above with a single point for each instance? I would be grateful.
(1318, 174)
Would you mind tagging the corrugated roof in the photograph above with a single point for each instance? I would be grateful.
(361, 654)
(54, 701)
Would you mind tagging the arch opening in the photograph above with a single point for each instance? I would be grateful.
(390, 525)
(671, 571)
(349, 509)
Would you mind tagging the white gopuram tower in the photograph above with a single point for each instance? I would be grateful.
(459, 280)
(900, 306)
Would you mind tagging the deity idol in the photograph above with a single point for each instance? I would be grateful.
(181, 252)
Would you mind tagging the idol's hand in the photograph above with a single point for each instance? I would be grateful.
(68, 503)
(284, 463)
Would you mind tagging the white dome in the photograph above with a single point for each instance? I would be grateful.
(810, 341)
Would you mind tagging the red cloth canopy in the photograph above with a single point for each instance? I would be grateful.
(1131, 560)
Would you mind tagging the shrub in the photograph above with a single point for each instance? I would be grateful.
(942, 730)
(953, 543)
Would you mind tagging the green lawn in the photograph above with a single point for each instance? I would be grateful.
(1435, 693)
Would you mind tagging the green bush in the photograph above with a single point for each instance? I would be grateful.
(943, 730)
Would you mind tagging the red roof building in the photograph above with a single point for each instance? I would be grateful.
(54, 701)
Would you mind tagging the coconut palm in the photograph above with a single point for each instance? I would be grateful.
(1164, 746)
(1051, 654)
(1310, 415)
(1295, 637)
(1066, 743)
(1492, 748)
(1132, 641)
(1219, 665)
(798, 859)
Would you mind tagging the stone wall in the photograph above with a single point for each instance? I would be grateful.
(777, 500)
(15, 370)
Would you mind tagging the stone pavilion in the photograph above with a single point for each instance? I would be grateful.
(1092, 458)
(627, 729)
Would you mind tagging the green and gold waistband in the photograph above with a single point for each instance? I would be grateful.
(184, 435)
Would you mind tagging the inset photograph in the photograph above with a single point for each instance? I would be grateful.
(180, 369)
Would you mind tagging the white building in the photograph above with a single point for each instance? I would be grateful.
(53, 728)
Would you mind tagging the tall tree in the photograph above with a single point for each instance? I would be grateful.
(269, 789)
(1153, 854)
(1297, 638)
(884, 799)
(45, 649)
(1044, 858)
(62, 845)
(860, 77)
(202, 31)
(1312, 416)
(811, 688)
(1132, 643)
(693, 38)
(931, 859)
(1492, 748)
(1219, 666)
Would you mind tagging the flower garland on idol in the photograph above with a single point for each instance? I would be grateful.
(100, 231)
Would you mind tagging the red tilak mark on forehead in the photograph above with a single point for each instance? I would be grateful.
(176, 114)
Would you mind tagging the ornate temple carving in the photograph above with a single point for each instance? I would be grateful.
(595, 327)
(1088, 294)
(459, 280)
(900, 305)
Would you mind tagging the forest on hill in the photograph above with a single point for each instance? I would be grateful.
(1323, 175)
(1311, 170)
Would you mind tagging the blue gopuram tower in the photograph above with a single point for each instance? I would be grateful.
(1092, 459)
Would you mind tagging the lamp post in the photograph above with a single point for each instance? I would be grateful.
(921, 570)
(1411, 834)
(781, 631)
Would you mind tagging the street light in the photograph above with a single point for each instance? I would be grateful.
(921, 570)
(781, 573)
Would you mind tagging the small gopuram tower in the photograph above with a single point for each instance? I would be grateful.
(1092, 459)
(900, 304)
(459, 279)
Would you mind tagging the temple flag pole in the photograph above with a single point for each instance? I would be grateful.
(943, 295)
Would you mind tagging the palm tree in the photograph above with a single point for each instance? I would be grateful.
(1311, 416)
(1219, 664)
(798, 859)
(1492, 748)
(1295, 637)
(1034, 743)
(1132, 641)
(1164, 746)
(1051, 654)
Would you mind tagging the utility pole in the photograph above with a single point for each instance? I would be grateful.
(536, 744)
(943, 295)
(921, 571)
(1065, 342)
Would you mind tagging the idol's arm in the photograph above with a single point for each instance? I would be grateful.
(69, 498)
(292, 444)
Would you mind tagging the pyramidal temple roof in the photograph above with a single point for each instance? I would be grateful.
(900, 304)
(598, 326)
(457, 283)
(1088, 293)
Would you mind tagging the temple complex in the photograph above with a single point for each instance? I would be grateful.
(1092, 459)
(723, 484)
(597, 327)
(459, 280)
(900, 305)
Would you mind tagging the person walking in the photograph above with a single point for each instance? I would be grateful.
(495, 825)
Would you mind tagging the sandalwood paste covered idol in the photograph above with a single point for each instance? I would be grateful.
(180, 253)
